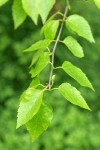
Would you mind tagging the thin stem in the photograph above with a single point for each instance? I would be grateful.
(56, 43)
(57, 68)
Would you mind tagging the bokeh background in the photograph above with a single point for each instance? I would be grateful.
(72, 128)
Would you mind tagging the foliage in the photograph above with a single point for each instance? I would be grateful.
(40, 67)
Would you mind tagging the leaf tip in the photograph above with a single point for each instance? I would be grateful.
(17, 126)
(93, 40)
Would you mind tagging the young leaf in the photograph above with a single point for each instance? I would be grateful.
(34, 82)
(50, 29)
(18, 13)
(30, 7)
(30, 102)
(76, 74)
(42, 44)
(74, 46)
(2, 2)
(40, 122)
(80, 26)
(73, 95)
(41, 64)
(97, 2)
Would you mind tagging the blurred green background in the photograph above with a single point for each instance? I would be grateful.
(72, 128)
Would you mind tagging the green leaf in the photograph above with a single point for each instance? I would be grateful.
(30, 7)
(34, 82)
(73, 95)
(36, 57)
(40, 122)
(41, 64)
(30, 102)
(97, 2)
(76, 74)
(44, 8)
(18, 13)
(50, 29)
(74, 46)
(34, 8)
(80, 26)
(2, 2)
(42, 44)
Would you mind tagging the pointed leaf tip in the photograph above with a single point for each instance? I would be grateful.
(74, 46)
(36, 8)
(40, 45)
(73, 95)
(77, 74)
(18, 13)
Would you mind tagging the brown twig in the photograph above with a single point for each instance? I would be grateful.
(56, 42)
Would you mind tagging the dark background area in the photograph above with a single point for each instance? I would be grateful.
(72, 128)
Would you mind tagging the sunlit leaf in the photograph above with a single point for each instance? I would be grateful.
(34, 8)
(43, 44)
(40, 122)
(2, 2)
(74, 46)
(97, 2)
(77, 74)
(30, 102)
(73, 95)
(41, 64)
(18, 13)
(80, 26)
(31, 9)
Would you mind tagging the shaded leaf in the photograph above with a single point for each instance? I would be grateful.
(97, 2)
(50, 29)
(74, 46)
(77, 74)
(42, 44)
(80, 26)
(34, 82)
(30, 102)
(73, 95)
(40, 122)
(41, 64)
(2, 2)
(36, 57)
(18, 13)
